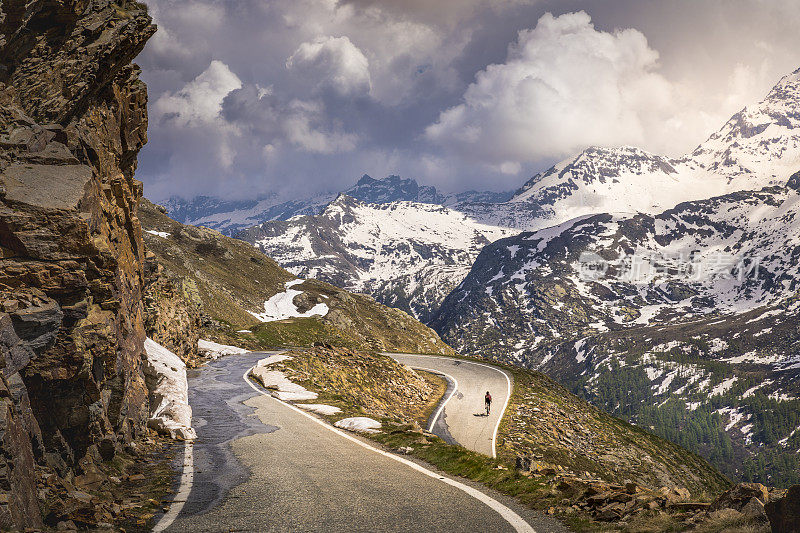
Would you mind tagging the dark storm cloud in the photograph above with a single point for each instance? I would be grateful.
(303, 96)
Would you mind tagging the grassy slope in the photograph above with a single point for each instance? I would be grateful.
(228, 278)
(552, 426)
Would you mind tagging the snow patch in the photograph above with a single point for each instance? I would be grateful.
(215, 350)
(281, 306)
(272, 359)
(580, 353)
(165, 377)
(162, 234)
(785, 442)
(361, 424)
(691, 406)
(320, 408)
(724, 386)
(283, 388)
(734, 416)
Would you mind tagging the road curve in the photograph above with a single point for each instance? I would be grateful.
(263, 465)
(462, 418)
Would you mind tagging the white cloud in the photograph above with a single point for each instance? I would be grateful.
(402, 53)
(558, 88)
(333, 62)
(200, 100)
(564, 86)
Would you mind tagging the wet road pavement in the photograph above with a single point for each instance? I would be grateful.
(217, 394)
(261, 465)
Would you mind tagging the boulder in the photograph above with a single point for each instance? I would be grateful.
(523, 463)
(739, 496)
(754, 508)
(784, 513)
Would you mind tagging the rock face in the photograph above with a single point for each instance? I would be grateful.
(172, 316)
(784, 514)
(72, 119)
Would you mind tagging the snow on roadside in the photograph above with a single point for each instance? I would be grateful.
(320, 408)
(215, 350)
(165, 377)
(281, 306)
(272, 359)
(361, 424)
(282, 387)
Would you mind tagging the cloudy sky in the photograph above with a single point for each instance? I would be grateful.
(294, 97)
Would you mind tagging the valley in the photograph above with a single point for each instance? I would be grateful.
(691, 249)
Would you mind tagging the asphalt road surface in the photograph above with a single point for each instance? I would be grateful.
(463, 419)
(262, 465)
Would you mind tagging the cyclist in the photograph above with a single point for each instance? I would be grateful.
(488, 399)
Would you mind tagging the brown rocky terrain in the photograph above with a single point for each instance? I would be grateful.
(546, 426)
(72, 118)
(172, 317)
(361, 383)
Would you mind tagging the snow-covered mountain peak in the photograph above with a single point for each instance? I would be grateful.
(593, 165)
(787, 90)
(759, 145)
(229, 217)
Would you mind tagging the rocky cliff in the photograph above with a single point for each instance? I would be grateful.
(72, 118)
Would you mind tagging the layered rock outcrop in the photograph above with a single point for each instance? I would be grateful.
(72, 118)
(172, 311)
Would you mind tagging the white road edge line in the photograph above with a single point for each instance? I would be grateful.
(177, 503)
(505, 375)
(441, 407)
(516, 521)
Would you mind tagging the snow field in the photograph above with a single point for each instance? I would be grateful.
(281, 306)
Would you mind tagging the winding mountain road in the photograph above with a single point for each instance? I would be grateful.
(461, 419)
(260, 464)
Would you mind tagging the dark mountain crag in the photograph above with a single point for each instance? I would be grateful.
(72, 119)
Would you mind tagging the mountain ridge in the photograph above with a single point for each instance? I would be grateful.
(622, 180)
(229, 217)
(362, 246)
(248, 299)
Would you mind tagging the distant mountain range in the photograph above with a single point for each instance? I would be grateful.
(689, 316)
(751, 150)
(228, 217)
(408, 255)
(758, 146)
